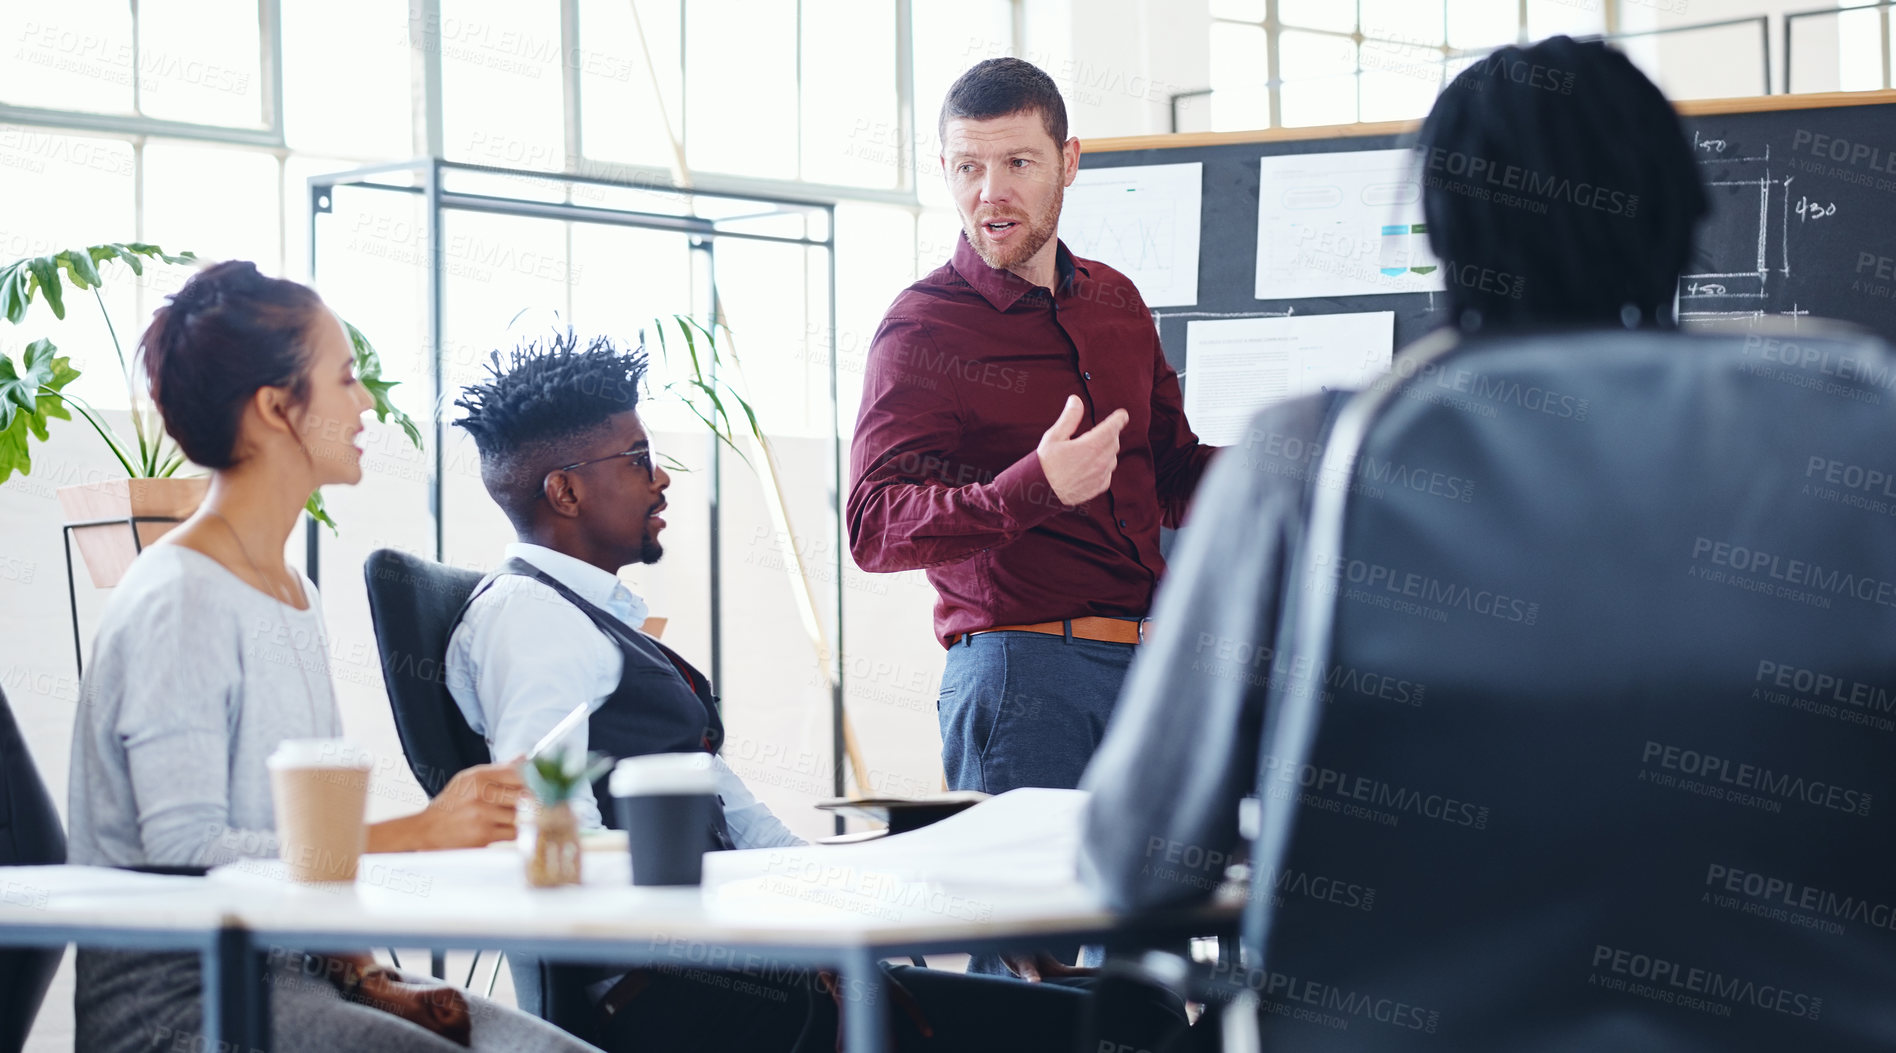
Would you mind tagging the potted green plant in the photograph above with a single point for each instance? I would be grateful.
(33, 393)
(554, 780)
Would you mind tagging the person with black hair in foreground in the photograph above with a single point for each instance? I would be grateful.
(565, 455)
(212, 651)
(1601, 247)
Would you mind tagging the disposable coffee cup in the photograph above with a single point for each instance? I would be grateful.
(321, 788)
(668, 804)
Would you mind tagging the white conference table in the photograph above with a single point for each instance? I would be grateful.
(999, 876)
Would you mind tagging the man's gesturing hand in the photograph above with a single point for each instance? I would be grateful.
(1079, 469)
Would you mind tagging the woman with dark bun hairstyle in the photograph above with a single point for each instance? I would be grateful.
(212, 651)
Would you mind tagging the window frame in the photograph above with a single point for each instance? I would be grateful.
(1274, 27)
(137, 124)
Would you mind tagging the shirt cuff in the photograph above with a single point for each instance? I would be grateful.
(1022, 491)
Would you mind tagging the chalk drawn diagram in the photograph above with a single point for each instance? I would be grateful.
(1142, 220)
(1744, 252)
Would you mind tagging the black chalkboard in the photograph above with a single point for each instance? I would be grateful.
(1803, 217)
(1803, 223)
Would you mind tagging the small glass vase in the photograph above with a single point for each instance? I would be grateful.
(555, 859)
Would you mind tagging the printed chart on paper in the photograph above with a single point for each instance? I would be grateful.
(1342, 224)
(1142, 220)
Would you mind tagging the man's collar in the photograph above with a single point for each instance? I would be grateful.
(1002, 288)
(593, 585)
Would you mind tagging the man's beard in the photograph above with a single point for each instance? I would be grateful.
(650, 550)
(1040, 230)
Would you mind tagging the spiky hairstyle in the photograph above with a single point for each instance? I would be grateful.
(548, 399)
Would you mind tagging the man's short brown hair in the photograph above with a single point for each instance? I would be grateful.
(1003, 87)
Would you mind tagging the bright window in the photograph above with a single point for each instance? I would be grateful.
(1371, 60)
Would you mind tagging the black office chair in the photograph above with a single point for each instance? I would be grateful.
(1645, 799)
(30, 835)
(412, 602)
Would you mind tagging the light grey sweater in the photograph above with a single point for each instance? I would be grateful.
(195, 677)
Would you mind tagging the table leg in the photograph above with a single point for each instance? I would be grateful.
(236, 994)
(865, 1004)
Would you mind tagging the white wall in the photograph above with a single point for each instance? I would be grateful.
(1118, 61)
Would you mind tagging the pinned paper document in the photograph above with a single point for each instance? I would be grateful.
(1237, 366)
(1342, 224)
(1141, 220)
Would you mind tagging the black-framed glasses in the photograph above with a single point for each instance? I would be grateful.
(641, 455)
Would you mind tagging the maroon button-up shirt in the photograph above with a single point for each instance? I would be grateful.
(969, 368)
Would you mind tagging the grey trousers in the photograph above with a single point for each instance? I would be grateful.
(142, 1002)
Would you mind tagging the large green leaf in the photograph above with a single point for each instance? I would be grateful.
(368, 366)
(29, 397)
(46, 280)
(314, 506)
(22, 279)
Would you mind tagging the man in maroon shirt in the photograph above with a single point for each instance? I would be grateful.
(1042, 541)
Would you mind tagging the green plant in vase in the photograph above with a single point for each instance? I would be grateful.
(554, 780)
(34, 392)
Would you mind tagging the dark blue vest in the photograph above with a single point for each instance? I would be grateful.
(662, 704)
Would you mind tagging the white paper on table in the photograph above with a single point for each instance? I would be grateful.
(1342, 224)
(1016, 851)
(1237, 366)
(1142, 220)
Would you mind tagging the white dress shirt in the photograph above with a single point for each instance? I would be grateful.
(523, 657)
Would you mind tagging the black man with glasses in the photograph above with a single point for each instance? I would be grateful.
(565, 455)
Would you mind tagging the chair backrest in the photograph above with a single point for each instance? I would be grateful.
(412, 602)
(1586, 740)
(30, 835)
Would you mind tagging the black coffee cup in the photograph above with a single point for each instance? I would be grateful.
(668, 804)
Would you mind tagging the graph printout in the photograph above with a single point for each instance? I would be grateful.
(1143, 221)
(1342, 224)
